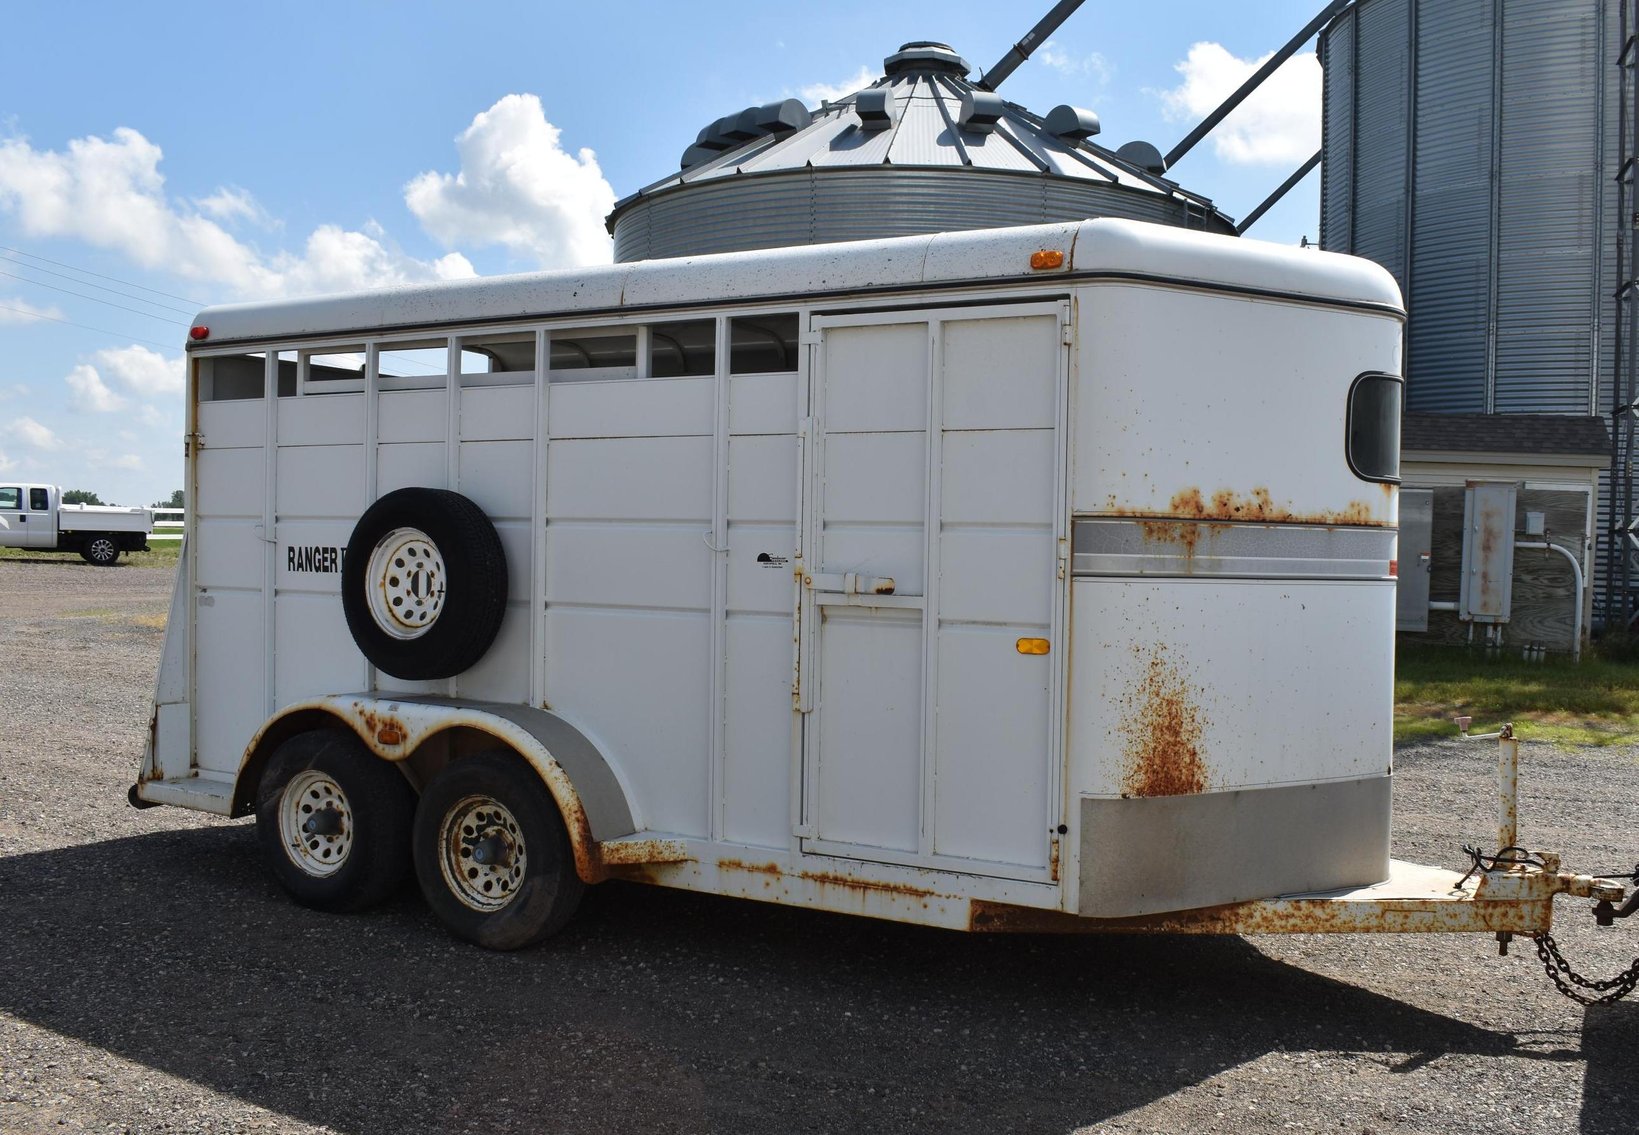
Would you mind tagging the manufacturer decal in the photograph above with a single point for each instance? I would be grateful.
(313, 558)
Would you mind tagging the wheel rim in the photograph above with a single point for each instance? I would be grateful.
(481, 853)
(405, 582)
(316, 823)
(103, 548)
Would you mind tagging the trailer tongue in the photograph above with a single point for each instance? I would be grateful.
(1508, 893)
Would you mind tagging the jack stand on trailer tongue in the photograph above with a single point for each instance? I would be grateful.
(1512, 859)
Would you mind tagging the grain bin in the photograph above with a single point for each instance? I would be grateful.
(923, 149)
(1471, 148)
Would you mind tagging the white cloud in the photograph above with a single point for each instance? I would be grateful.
(129, 461)
(32, 434)
(14, 310)
(518, 188)
(6, 463)
(145, 373)
(1278, 125)
(109, 192)
(231, 203)
(816, 93)
(1092, 65)
(89, 393)
(15, 390)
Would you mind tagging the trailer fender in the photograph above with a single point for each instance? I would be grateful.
(581, 780)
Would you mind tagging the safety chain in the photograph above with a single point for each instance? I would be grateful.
(1564, 977)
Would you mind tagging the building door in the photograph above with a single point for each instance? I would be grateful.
(934, 509)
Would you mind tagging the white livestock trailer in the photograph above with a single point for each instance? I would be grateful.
(1037, 578)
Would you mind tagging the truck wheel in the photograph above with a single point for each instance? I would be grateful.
(333, 821)
(102, 550)
(424, 583)
(492, 853)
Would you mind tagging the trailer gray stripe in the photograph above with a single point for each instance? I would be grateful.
(1160, 546)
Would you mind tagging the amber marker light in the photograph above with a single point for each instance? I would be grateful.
(1047, 258)
(199, 331)
(1034, 646)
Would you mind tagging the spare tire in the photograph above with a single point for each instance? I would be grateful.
(424, 583)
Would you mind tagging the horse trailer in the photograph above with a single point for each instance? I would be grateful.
(1024, 579)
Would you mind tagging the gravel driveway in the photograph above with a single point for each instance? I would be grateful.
(153, 979)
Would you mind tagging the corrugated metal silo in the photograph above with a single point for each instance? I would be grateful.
(923, 149)
(1471, 149)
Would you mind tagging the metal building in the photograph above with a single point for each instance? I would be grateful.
(1479, 149)
(923, 149)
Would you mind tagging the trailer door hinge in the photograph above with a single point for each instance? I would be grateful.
(192, 443)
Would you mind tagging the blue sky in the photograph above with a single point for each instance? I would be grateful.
(208, 153)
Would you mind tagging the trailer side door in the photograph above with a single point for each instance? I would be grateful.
(934, 503)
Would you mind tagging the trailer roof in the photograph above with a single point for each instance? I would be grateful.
(1094, 248)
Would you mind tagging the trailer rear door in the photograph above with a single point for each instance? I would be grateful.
(934, 505)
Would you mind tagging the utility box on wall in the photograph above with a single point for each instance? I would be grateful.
(1488, 551)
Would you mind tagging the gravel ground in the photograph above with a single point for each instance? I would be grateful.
(153, 979)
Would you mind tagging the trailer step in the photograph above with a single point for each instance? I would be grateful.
(203, 793)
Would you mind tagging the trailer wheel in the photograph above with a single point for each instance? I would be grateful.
(333, 821)
(492, 853)
(424, 583)
(102, 550)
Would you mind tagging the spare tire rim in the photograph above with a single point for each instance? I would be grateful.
(481, 853)
(315, 823)
(405, 581)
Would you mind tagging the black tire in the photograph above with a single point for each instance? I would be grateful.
(102, 549)
(472, 589)
(543, 892)
(377, 809)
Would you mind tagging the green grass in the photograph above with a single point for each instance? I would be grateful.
(1594, 703)
(164, 554)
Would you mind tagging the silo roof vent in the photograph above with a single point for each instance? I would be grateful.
(981, 110)
(876, 107)
(926, 55)
(1071, 123)
(1145, 156)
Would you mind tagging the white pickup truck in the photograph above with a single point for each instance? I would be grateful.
(33, 516)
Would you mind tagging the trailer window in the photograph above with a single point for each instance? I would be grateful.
(497, 360)
(1373, 446)
(683, 350)
(333, 370)
(232, 378)
(11, 499)
(413, 364)
(763, 344)
(591, 356)
(39, 500)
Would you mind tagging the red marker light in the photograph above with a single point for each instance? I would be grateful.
(1394, 568)
(198, 332)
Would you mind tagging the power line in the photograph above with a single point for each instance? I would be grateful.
(86, 327)
(99, 287)
(100, 276)
(93, 299)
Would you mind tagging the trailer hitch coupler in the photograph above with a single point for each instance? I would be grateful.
(1605, 912)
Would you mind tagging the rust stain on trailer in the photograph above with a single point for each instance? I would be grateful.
(1299, 917)
(827, 879)
(622, 851)
(754, 868)
(1258, 506)
(1163, 726)
(869, 886)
